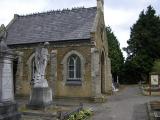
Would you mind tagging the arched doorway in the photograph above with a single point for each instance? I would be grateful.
(102, 73)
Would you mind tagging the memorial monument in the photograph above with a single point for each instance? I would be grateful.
(8, 106)
(41, 94)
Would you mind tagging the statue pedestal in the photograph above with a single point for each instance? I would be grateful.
(8, 111)
(41, 97)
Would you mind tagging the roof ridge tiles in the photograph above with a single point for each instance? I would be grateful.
(58, 11)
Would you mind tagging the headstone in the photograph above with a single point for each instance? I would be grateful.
(41, 93)
(154, 79)
(114, 89)
(8, 106)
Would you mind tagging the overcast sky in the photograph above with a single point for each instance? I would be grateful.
(119, 14)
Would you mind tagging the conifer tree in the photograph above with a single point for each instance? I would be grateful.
(114, 53)
(143, 46)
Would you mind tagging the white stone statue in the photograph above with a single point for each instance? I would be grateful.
(41, 59)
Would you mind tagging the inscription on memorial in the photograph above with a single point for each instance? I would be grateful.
(7, 79)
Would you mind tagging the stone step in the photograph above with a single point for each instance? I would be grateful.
(29, 117)
(41, 114)
(38, 115)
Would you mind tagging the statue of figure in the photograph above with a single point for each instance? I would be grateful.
(3, 37)
(41, 59)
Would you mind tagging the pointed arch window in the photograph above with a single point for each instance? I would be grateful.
(74, 69)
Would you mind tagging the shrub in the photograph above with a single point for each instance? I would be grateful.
(81, 115)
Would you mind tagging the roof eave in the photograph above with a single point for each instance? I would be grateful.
(56, 41)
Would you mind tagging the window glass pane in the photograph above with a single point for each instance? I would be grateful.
(71, 74)
(74, 67)
(71, 61)
(78, 68)
(71, 67)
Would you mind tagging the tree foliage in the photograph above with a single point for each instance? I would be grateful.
(114, 53)
(156, 66)
(143, 46)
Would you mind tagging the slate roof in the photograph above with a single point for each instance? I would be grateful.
(74, 24)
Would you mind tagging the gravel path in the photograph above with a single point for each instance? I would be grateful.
(129, 104)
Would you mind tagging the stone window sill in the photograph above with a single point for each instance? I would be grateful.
(74, 82)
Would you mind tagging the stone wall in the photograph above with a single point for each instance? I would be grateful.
(70, 90)
(99, 40)
(54, 70)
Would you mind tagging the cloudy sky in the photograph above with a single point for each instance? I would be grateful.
(119, 14)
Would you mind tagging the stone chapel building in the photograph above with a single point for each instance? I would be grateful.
(78, 65)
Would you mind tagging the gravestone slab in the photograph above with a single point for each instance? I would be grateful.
(6, 80)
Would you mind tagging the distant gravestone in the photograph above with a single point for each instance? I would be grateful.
(8, 107)
(41, 94)
(154, 85)
(154, 79)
